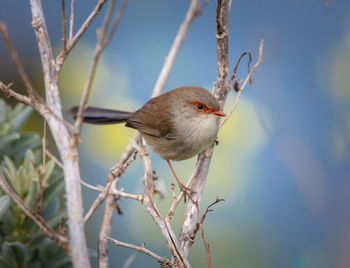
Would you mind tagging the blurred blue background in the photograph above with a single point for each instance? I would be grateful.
(282, 164)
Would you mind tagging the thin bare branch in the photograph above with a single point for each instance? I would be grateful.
(176, 202)
(101, 33)
(116, 22)
(207, 247)
(246, 80)
(14, 56)
(142, 249)
(129, 260)
(191, 212)
(53, 158)
(207, 210)
(40, 107)
(113, 191)
(60, 240)
(192, 13)
(148, 202)
(101, 44)
(204, 4)
(125, 160)
(39, 199)
(105, 228)
(43, 142)
(64, 25)
(73, 41)
(200, 226)
(234, 73)
(206, 244)
(71, 20)
(10, 93)
(87, 89)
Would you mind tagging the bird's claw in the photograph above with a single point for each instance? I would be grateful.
(186, 192)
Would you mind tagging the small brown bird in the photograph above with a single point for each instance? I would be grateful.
(177, 125)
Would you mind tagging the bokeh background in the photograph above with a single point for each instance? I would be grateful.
(282, 164)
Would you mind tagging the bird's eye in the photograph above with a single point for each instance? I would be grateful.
(200, 106)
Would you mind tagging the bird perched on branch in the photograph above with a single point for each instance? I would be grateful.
(177, 125)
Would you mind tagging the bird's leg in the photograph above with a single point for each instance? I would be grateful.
(183, 188)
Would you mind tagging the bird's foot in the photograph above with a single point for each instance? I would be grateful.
(186, 192)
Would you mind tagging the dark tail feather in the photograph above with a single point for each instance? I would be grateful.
(100, 116)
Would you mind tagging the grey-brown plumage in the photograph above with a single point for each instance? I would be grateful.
(177, 125)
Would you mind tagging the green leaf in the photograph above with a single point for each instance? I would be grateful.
(36, 264)
(60, 261)
(51, 252)
(50, 165)
(14, 111)
(32, 195)
(20, 114)
(23, 179)
(25, 142)
(6, 141)
(56, 219)
(3, 111)
(8, 223)
(11, 173)
(15, 253)
(30, 164)
(52, 208)
(54, 190)
(5, 129)
(5, 203)
(20, 252)
(56, 175)
(4, 263)
(8, 254)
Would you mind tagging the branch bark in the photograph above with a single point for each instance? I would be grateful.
(106, 226)
(179, 259)
(162, 261)
(69, 155)
(221, 89)
(73, 40)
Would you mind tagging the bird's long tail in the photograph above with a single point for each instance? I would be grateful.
(100, 116)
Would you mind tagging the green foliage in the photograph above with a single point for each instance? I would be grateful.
(22, 243)
(12, 143)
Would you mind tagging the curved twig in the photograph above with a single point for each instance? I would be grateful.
(142, 249)
(246, 80)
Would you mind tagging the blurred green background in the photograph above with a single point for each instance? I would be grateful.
(283, 159)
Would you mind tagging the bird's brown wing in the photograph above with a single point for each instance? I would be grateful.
(153, 120)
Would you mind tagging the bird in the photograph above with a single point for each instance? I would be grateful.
(177, 125)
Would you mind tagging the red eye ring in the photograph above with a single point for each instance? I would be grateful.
(200, 106)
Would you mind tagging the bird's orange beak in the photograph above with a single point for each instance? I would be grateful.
(219, 113)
